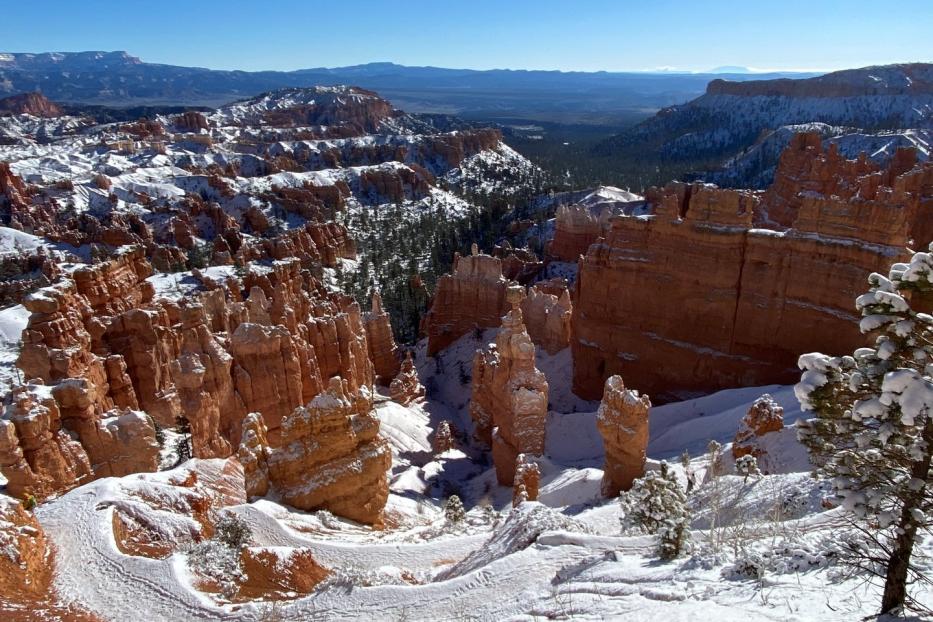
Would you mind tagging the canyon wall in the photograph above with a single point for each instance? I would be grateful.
(694, 298)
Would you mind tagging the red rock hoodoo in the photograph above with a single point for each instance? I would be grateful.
(406, 387)
(332, 457)
(510, 396)
(472, 296)
(382, 349)
(763, 417)
(622, 421)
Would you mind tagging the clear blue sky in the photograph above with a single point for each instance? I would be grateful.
(613, 35)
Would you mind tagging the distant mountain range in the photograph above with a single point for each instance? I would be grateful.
(121, 80)
(736, 129)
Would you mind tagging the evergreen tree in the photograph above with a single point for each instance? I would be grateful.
(872, 434)
(747, 466)
(183, 449)
(453, 510)
(657, 504)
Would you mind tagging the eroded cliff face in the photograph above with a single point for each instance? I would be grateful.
(575, 228)
(382, 348)
(472, 296)
(510, 396)
(622, 421)
(109, 360)
(331, 456)
(695, 298)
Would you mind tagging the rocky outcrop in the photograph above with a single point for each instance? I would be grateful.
(763, 417)
(276, 574)
(575, 228)
(191, 121)
(105, 347)
(35, 104)
(527, 480)
(331, 456)
(472, 296)
(697, 298)
(443, 438)
(805, 170)
(26, 564)
(382, 349)
(406, 386)
(509, 395)
(622, 421)
(547, 312)
(37, 456)
(253, 454)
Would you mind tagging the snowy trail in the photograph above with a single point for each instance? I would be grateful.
(93, 573)
(411, 556)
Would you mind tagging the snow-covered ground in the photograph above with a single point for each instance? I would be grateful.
(563, 558)
(770, 556)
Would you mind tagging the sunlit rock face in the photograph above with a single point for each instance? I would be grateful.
(698, 297)
(510, 395)
(622, 421)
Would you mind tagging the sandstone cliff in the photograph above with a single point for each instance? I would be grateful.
(696, 298)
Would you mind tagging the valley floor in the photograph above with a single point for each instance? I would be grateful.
(769, 555)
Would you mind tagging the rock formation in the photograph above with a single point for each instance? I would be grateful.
(696, 298)
(26, 564)
(406, 387)
(331, 456)
(763, 417)
(622, 420)
(547, 312)
(509, 398)
(382, 349)
(253, 454)
(35, 104)
(527, 480)
(575, 228)
(105, 348)
(472, 296)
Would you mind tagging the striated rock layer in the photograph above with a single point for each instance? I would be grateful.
(472, 296)
(622, 421)
(695, 298)
(110, 361)
(510, 396)
(382, 348)
(331, 456)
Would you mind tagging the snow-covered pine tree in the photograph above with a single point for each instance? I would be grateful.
(873, 430)
(453, 509)
(183, 449)
(747, 466)
(656, 504)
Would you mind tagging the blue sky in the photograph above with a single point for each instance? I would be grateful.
(585, 35)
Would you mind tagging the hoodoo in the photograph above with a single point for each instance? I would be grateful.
(510, 396)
